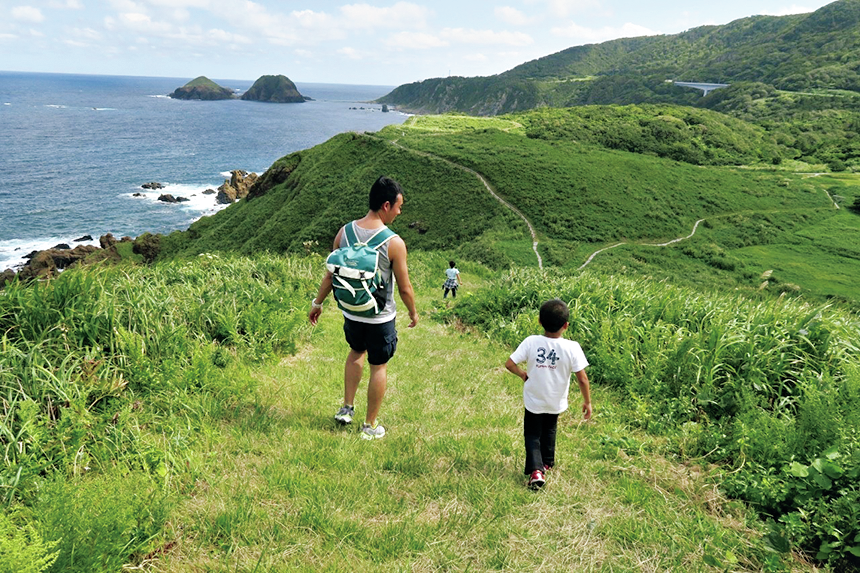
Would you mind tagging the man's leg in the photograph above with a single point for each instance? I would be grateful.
(352, 372)
(375, 391)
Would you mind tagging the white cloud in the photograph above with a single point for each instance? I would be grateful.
(350, 53)
(597, 35)
(7, 37)
(311, 19)
(415, 41)
(222, 36)
(476, 58)
(400, 15)
(84, 33)
(67, 5)
(564, 8)
(142, 23)
(27, 14)
(179, 3)
(125, 6)
(490, 37)
(303, 53)
(512, 16)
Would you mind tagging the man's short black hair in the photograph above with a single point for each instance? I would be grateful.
(554, 315)
(384, 189)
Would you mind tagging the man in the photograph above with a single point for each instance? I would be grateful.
(374, 336)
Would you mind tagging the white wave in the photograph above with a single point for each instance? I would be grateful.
(104, 109)
(197, 200)
(13, 252)
(160, 96)
(55, 106)
(6, 103)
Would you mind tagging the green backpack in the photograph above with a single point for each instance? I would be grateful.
(356, 278)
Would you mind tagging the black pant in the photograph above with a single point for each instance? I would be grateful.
(539, 433)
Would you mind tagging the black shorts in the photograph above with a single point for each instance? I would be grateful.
(378, 340)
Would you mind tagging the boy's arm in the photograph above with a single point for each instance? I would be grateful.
(514, 369)
(585, 390)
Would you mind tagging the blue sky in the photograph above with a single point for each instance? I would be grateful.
(370, 42)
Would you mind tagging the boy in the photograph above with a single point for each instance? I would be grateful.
(550, 360)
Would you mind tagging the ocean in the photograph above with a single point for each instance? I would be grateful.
(76, 148)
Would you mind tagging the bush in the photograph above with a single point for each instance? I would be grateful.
(22, 549)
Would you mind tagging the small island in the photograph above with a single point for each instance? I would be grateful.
(202, 88)
(274, 89)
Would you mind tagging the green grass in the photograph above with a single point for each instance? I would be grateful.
(229, 459)
(444, 489)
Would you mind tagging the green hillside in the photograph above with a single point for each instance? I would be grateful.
(798, 52)
(579, 190)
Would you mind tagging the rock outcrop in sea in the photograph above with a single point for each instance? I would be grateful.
(236, 187)
(202, 88)
(274, 89)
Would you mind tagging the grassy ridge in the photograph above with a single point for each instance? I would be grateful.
(580, 197)
(320, 188)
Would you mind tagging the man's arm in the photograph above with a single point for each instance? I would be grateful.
(325, 287)
(585, 390)
(397, 256)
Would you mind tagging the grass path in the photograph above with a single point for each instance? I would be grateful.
(282, 488)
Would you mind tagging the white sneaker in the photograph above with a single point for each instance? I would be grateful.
(369, 432)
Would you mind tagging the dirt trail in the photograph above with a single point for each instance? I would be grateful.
(488, 187)
(594, 254)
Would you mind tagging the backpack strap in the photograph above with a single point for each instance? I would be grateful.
(378, 239)
(351, 235)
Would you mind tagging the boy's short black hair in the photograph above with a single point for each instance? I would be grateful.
(554, 314)
(451, 263)
(383, 189)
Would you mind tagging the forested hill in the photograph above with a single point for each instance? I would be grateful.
(798, 52)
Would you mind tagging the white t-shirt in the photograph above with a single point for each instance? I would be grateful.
(451, 273)
(549, 364)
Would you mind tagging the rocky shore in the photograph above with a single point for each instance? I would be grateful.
(50, 262)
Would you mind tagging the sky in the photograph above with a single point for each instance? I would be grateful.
(375, 42)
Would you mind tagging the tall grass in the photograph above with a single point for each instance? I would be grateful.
(769, 390)
(109, 375)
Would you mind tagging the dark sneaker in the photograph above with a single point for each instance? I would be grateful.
(369, 432)
(536, 480)
(344, 415)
